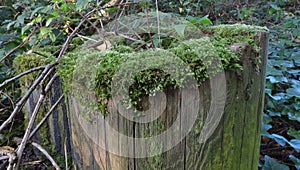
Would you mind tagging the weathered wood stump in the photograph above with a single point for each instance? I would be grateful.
(226, 140)
(223, 134)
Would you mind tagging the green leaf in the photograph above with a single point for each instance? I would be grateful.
(6, 37)
(48, 22)
(296, 161)
(295, 91)
(20, 19)
(37, 19)
(280, 139)
(180, 29)
(271, 164)
(111, 9)
(266, 119)
(295, 143)
(272, 113)
(277, 79)
(265, 128)
(294, 115)
(277, 96)
(24, 29)
(10, 24)
(205, 20)
(81, 4)
(156, 42)
(44, 31)
(52, 36)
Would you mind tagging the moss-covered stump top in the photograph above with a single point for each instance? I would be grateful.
(96, 71)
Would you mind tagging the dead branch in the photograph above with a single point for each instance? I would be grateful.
(38, 53)
(39, 147)
(21, 75)
(28, 129)
(19, 46)
(66, 154)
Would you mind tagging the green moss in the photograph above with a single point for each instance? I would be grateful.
(96, 70)
(26, 61)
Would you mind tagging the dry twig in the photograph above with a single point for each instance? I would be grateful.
(21, 75)
(17, 47)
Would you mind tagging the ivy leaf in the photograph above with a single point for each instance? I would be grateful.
(280, 139)
(296, 161)
(277, 96)
(272, 113)
(265, 128)
(266, 119)
(295, 91)
(20, 19)
(271, 164)
(295, 115)
(295, 143)
(25, 28)
(277, 79)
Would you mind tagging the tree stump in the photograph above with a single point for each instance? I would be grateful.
(226, 136)
(233, 141)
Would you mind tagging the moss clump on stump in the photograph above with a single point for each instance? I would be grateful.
(198, 54)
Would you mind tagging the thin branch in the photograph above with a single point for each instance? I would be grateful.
(39, 147)
(66, 154)
(21, 75)
(129, 28)
(46, 117)
(19, 46)
(3, 158)
(87, 38)
(38, 53)
(158, 24)
(28, 129)
(32, 119)
(9, 98)
(47, 88)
